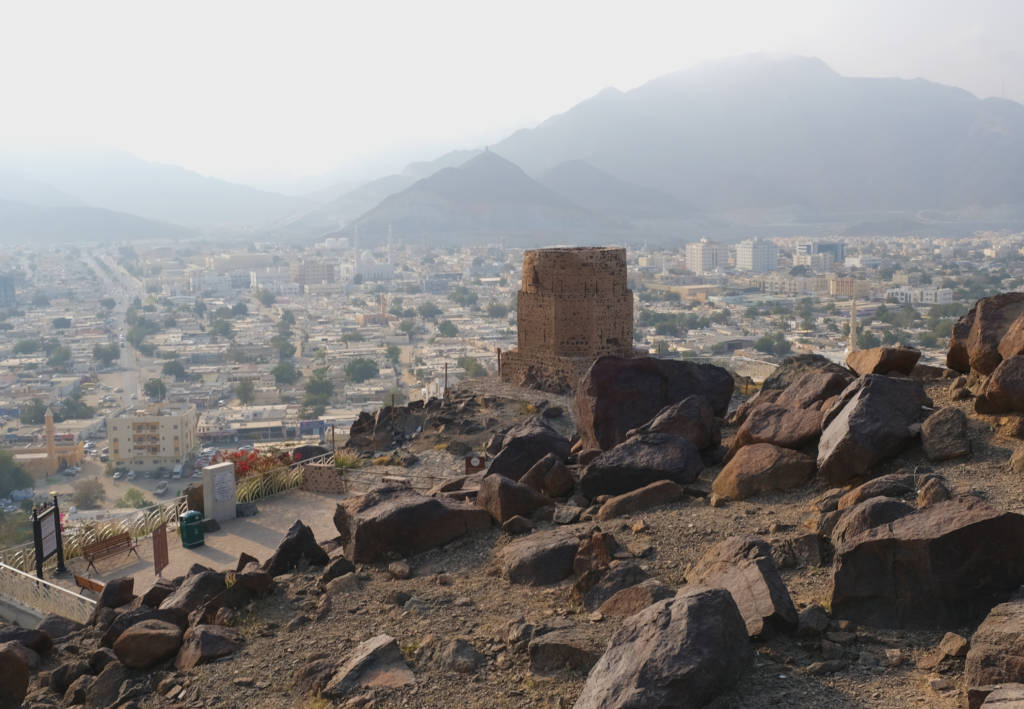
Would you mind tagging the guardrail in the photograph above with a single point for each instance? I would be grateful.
(43, 596)
(76, 536)
(256, 487)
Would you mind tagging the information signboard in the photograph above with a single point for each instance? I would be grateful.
(160, 556)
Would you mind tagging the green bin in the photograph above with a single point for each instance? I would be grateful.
(190, 525)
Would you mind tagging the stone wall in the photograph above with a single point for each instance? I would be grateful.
(324, 479)
(574, 306)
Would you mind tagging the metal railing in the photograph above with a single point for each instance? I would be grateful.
(81, 534)
(256, 487)
(43, 596)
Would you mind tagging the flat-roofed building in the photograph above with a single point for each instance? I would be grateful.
(161, 436)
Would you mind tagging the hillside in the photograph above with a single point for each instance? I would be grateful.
(20, 222)
(594, 189)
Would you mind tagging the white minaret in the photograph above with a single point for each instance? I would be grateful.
(853, 325)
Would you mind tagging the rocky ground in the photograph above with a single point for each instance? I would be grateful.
(463, 630)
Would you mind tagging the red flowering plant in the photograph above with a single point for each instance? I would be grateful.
(252, 462)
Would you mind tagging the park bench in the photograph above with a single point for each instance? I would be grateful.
(111, 546)
(87, 584)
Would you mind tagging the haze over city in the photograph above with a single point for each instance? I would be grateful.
(478, 354)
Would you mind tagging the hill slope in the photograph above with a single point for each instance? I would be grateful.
(20, 222)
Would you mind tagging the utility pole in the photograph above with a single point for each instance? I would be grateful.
(853, 325)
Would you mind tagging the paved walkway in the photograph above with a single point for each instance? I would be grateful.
(258, 536)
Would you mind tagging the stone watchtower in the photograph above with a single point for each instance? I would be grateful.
(574, 306)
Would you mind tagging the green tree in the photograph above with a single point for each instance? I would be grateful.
(353, 336)
(867, 340)
(497, 310)
(288, 318)
(61, 323)
(407, 326)
(285, 373)
(471, 366)
(285, 349)
(239, 310)
(32, 413)
(87, 493)
(394, 353)
(463, 296)
(245, 390)
(108, 303)
(12, 475)
(133, 498)
(319, 390)
(29, 346)
(59, 356)
(222, 328)
(155, 389)
(199, 308)
(447, 329)
(359, 370)
(266, 298)
(429, 310)
(175, 369)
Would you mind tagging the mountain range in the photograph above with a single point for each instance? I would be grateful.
(754, 144)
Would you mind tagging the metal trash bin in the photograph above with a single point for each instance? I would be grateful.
(190, 525)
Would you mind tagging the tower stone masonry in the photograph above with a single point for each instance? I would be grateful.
(573, 307)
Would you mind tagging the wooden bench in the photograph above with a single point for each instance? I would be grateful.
(87, 584)
(111, 546)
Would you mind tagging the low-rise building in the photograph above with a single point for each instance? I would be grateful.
(161, 436)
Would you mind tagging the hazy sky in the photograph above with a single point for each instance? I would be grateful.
(248, 90)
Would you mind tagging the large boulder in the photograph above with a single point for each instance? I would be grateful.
(662, 492)
(997, 647)
(680, 652)
(635, 598)
(206, 643)
(377, 662)
(540, 558)
(640, 461)
(978, 334)
(550, 477)
(194, 591)
(504, 498)
(127, 619)
(691, 418)
(796, 366)
(812, 388)
(866, 515)
(744, 567)
(14, 677)
(298, 546)
(883, 360)
(1003, 391)
(524, 445)
(618, 394)
(942, 566)
(780, 426)
(868, 424)
(57, 626)
(573, 649)
(147, 643)
(760, 468)
(394, 519)
(36, 640)
(944, 435)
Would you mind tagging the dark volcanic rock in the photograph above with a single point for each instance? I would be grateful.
(524, 445)
(57, 626)
(942, 566)
(37, 640)
(1003, 391)
(14, 677)
(640, 461)
(206, 643)
(883, 360)
(129, 618)
(574, 649)
(298, 546)
(691, 418)
(618, 394)
(978, 334)
(550, 477)
(194, 591)
(997, 647)
(662, 492)
(541, 558)
(147, 643)
(812, 388)
(796, 366)
(868, 424)
(597, 586)
(504, 498)
(780, 426)
(744, 567)
(762, 467)
(399, 520)
(680, 652)
(376, 662)
(867, 515)
(635, 598)
(944, 435)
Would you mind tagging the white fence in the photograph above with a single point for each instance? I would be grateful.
(43, 596)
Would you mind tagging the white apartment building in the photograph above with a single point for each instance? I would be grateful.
(161, 436)
(706, 257)
(757, 256)
(924, 296)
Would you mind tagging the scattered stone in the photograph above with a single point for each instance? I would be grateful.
(455, 655)
(869, 514)
(37, 640)
(541, 558)
(868, 424)
(517, 525)
(762, 467)
(62, 677)
(100, 658)
(640, 461)
(678, 652)
(14, 678)
(958, 390)
(346, 583)
(399, 570)
(932, 492)
(794, 367)
(206, 643)
(597, 586)
(944, 435)
(525, 445)
(635, 598)
(549, 476)
(956, 559)
(337, 565)
(504, 498)
(827, 667)
(893, 657)
(977, 336)
(997, 647)
(193, 592)
(883, 360)
(780, 426)
(396, 520)
(1003, 391)
(376, 662)
(618, 394)
(298, 546)
(662, 492)
(58, 627)
(951, 646)
(691, 418)
(78, 691)
(129, 618)
(1004, 696)
(573, 649)
(595, 553)
(813, 621)
(566, 514)
(107, 685)
(147, 643)
(744, 567)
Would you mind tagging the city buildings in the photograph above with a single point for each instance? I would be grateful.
(757, 256)
(160, 437)
(705, 257)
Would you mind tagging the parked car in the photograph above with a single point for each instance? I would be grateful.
(161, 488)
(130, 475)
(118, 475)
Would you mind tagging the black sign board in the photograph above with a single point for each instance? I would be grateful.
(47, 532)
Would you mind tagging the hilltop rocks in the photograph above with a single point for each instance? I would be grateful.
(14, 678)
(796, 366)
(1003, 391)
(194, 591)
(524, 445)
(762, 467)
(744, 567)
(944, 565)
(869, 423)
(387, 427)
(691, 418)
(640, 461)
(206, 643)
(619, 394)
(376, 662)
(635, 598)
(944, 435)
(396, 519)
(298, 546)
(147, 643)
(883, 360)
(977, 336)
(549, 476)
(997, 646)
(573, 649)
(504, 498)
(541, 558)
(678, 652)
(867, 515)
(657, 493)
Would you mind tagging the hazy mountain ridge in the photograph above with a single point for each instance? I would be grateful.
(20, 221)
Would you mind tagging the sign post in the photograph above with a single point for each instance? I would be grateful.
(46, 532)
(160, 557)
